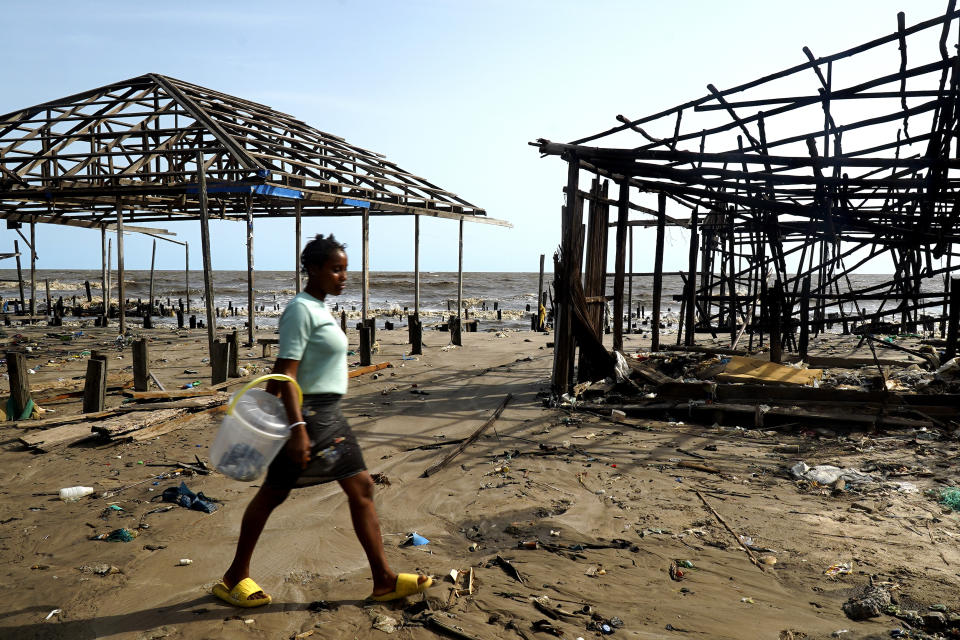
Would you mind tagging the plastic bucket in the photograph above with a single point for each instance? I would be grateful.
(253, 431)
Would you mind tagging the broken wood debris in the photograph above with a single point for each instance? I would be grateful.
(432, 469)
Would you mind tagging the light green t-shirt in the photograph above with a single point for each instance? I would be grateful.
(309, 333)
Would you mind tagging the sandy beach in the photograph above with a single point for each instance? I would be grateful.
(611, 503)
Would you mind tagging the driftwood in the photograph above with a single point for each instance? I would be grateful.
(368, 369)
(750, 554)
(432, 469)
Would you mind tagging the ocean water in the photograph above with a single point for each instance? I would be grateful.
(390, 292)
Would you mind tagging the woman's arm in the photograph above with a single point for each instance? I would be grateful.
(298, 446)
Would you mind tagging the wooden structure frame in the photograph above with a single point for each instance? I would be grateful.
(785, 197)
(155, 148)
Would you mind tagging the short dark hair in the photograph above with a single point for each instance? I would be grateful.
(319, 250)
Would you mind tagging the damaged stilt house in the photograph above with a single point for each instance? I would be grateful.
(789, 188)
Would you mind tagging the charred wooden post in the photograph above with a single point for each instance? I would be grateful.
(456, 333)
(86, 286)
(219, 361)
(141, 365)
(630, 284)
(95, 385)
(17, 371)
(658, 272)
(415, 333)
(804, 342)
(343, 321)
(776, 322)
(48, 309)
(233, 364)
(953, 324)
(366, 345)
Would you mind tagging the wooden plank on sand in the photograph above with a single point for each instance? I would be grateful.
(58, 436)
(120, 425)
(171, 425)
(169, 395)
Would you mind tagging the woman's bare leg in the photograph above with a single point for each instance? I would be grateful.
(254, 519)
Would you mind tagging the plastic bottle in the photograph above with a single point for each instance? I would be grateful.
(72, 494)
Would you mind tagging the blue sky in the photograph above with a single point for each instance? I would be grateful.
(452, 91)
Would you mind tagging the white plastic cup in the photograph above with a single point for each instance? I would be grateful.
(72, 494)
(184, 562)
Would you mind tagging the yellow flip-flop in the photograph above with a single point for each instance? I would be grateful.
(240, 594)
(407, 585)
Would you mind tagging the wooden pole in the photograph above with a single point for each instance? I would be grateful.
(623, 210)
(630, 286)
(366, 345)
(540, 292)
(416, 266)
(365, 276)
(460, 273)
(95, 385)
(33, 268)
(690, 320)
(953, 324)
(219, 361)
(563, 344)
(121, 288)
(104, 288)
(16, 250)
(233, 357)
(19, 382)
(205, 251)
(148, 319)
(186, 272)
(658, 272)
(776, 323)
(141, 365)
(106, 313)
(250, 276)
(804, 319)
(298, 208)
(46, 287)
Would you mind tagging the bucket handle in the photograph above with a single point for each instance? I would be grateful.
(256, 381)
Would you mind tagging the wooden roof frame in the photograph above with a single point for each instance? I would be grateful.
(133, 145)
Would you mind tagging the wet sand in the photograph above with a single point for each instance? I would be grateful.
(604, 482)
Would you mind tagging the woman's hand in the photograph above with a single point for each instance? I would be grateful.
(298, 446)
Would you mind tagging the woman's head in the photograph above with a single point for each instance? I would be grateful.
(324, 260)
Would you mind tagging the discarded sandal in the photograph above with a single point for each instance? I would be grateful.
(240, 594)
(408, 584)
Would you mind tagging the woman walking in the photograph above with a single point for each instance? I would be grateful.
(322, 447)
